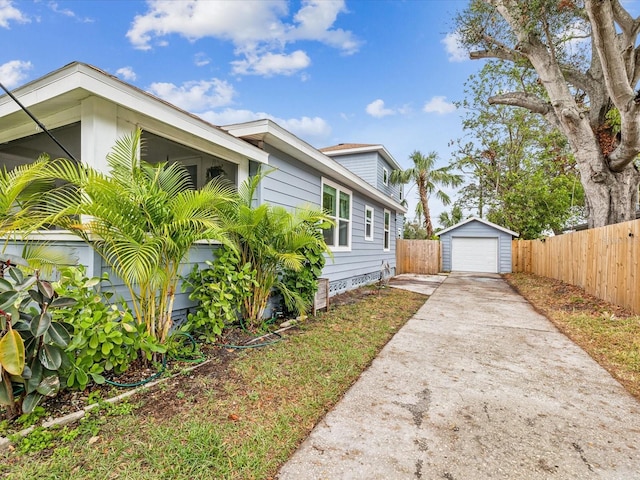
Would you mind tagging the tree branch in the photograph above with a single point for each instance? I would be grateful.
(522, 99)
(529, 101)
(626, 22)
(606, 44)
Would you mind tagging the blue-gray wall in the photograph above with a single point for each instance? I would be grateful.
(198, 254)
(476, 229)
(81, 253)
(294, 184)
(369, 166)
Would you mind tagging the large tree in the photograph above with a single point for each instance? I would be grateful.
(427, 178)
(521, 174)
(586, 57)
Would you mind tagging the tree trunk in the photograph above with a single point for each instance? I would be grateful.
(611, 197)
(424, 200)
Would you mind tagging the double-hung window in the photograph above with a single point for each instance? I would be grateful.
(336, 202)
(387, 230)
(368, 223)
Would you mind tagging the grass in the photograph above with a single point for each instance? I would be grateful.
(243, 426)
(609, 334)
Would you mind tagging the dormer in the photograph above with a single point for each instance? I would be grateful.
(371, 162)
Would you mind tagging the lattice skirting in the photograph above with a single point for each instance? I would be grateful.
(340, 286)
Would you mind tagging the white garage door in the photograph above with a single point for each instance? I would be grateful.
(474, 254)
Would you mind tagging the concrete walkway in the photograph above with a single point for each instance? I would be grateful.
(477, 385)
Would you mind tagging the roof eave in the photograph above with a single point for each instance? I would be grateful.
(273, 134)
(80, 77)
(384, 153)
(481, 220)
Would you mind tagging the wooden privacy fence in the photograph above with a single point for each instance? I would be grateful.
(417, 256)
(604, 261)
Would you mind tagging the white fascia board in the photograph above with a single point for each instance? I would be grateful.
(84, 78)
(273, 134)
(384, 153)
(481, 220)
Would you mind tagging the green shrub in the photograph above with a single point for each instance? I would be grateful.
(220, 290)
(105, 337)
(305, 280)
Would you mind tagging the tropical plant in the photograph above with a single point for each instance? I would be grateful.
(105, 337)
(32, 345)
(20, 189)
(272, 239)
(221, 290)
(305, 280)
(427, 178)
(449, 219)
(141, 218)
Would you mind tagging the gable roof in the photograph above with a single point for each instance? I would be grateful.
(273, 134)
(481, 220)
(59, 94)
(351, 148)
(345, 146)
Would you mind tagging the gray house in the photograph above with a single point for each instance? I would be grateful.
(476, 245)
(365, 210)
(87, 110)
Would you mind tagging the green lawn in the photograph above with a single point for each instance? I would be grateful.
(240, 422)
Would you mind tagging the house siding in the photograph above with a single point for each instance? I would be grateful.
(392, 190)
(198, 255)
(370, 167)
(290, 184)
(293, 184)
(478, 229)
(362, 164)
(78, 251)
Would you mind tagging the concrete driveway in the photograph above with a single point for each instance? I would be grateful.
(477, 385)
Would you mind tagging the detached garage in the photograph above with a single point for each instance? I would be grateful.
(476, 245)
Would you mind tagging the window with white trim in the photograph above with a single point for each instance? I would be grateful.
(336, 202)
(385, 176)
(387, 230)
(368, 223)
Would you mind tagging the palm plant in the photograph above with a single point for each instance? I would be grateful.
(427, 178)
(449, 219)
(20, 190)
(141, 218)
(271, 239)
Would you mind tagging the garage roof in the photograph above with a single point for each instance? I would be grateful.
(481, 220)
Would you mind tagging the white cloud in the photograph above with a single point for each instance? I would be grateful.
(201, 59)
(126, 73)
(14, 72)
(457, 53)
(271, 64)
(259, 30)
(439, 105)
(230, 116)
(314, 21)
(196, 96)
(376, 109)
(8, 12)
(305, 127)
(68, 13)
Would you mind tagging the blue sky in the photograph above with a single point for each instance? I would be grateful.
(353, 71)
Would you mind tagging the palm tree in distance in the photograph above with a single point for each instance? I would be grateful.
(427, 178)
